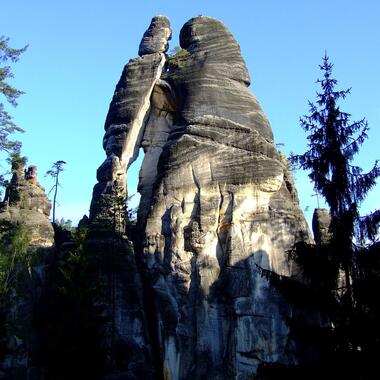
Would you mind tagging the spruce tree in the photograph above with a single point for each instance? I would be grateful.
(333, 305)
(333, 142)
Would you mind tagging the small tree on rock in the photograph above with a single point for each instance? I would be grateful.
(54, 172)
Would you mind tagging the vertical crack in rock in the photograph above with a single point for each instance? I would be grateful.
(195, 180)
(217, 201)
(136, 131)
(156, 134)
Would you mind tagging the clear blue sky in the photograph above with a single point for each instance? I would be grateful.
(77, 50)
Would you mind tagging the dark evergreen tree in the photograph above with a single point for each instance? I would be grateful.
(333, 305)
(7, 126)
(10, 94)
(333, 143)
(71, 345)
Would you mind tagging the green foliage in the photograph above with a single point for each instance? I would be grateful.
(54, 173)
(176, 55)
(56, 169)
(333, 143)
(335, 310)
(14, 242)
(14, 261)
(121, 214)
(73, 347)
(7, 127)
(16, 160)
(17, 163)
(10, 94)
(74, 270)
(118, 209)
(65, 224)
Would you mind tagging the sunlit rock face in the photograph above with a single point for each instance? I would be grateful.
(25, 202)
(218, 204)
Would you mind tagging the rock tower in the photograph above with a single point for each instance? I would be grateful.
(25, 201)
(218, 203)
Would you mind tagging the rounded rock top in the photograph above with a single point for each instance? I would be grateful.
(156, 37)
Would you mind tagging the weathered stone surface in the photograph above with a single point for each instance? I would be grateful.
(223, 203)
(120, 296)
(217, 204)
(124, 123)
(155, 39)
(124, 130)
(26, 202)
(321, 224)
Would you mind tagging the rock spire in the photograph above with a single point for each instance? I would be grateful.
(25, 201)
(218, 202)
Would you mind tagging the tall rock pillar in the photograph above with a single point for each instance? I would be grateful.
(223, 206)
(124, 124)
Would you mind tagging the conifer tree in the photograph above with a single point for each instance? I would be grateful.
(331, 312)
(333, 142)
(7, 126)
(10, 94)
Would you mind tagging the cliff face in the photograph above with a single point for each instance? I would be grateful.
(217, 203)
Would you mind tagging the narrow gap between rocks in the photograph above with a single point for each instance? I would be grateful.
(133, 182)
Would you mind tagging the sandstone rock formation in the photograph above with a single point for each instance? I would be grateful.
(125, 119)
(217, 204)
(155, 39)
(124, 127)
(321, 224)
(26, 202)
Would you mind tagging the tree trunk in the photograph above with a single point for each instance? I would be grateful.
(55, 196)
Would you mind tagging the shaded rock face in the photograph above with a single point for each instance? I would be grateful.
(321, 225)
(122, 297)
(217, 202)
(26, 202)
(155, 39)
